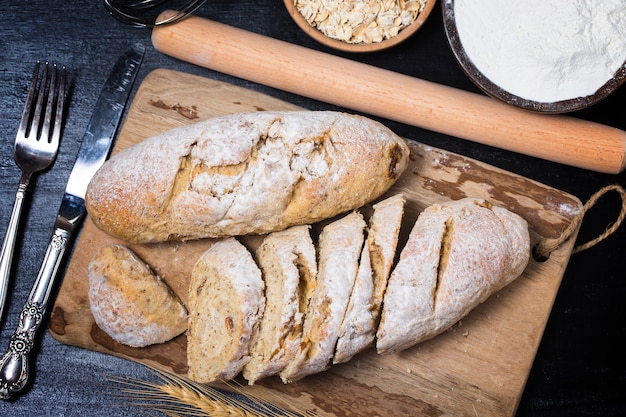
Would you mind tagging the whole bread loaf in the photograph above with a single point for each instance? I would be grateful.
(244, 173)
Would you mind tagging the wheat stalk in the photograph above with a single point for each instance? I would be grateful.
(177, 396)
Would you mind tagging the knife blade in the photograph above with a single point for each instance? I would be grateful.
(97, 142)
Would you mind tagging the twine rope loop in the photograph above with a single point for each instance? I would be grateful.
(543, 249)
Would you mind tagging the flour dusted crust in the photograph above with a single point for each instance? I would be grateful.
(245, 173)
(457, 255)
(339, 246)
(288, 262)
(361, 319)
(382, 237)
(226, 303)
(129, 302)
(356, 332)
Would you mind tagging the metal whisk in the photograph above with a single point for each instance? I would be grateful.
(144, 13)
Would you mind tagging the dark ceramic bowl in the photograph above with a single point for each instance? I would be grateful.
(493, 90)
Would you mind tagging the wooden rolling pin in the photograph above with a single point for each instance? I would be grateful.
(391, 95)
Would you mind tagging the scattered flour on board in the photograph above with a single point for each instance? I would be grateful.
(569, 210)
(544, 50)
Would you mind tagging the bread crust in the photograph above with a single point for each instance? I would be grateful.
(356, 332)
(244, 173)
(457, 255)
(129, 302)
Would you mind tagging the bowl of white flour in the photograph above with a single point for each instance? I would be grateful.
(550, 56)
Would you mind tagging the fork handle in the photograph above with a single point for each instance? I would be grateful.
(14, 365)
(8, 246)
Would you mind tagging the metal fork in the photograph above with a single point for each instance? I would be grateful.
(36, 147)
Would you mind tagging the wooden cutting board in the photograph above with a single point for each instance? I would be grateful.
(477, 368)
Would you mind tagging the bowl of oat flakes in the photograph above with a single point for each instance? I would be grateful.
(359, 25)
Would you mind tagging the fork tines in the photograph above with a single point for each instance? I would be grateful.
(53, 96)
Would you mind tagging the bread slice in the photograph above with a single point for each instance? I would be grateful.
(226, 303)
(289, 266)
(357, 327)
(361, 319)
(129, 302)
(457, 255)
(382, 237)
(340, 245)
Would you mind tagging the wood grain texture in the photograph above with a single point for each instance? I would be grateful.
(478, 367)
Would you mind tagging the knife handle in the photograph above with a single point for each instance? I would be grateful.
(14, 364)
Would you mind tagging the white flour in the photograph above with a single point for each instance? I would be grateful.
(544, 50)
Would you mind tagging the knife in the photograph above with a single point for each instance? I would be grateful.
(14, 364)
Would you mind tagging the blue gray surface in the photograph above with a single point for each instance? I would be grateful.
(580, 368)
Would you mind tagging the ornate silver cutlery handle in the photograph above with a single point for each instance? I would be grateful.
(14, 365)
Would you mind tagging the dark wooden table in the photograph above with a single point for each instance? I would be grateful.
(580, 368)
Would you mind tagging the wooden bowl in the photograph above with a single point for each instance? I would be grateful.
(494, 90)
(320, 37)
